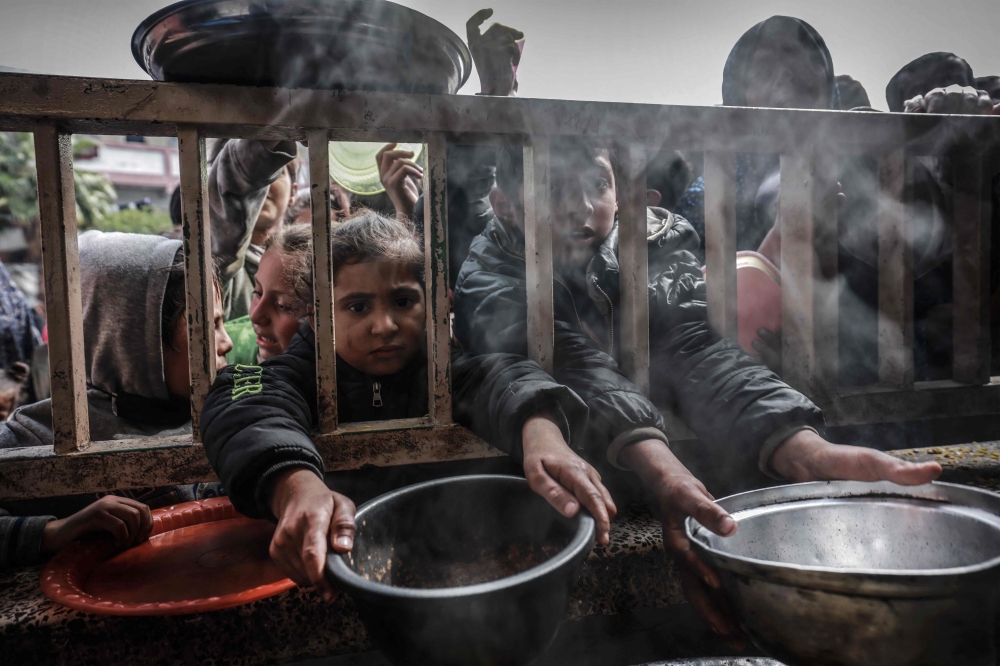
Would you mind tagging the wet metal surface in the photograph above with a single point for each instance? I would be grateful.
(844, 573)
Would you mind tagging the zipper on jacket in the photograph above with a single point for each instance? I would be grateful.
(376, 394)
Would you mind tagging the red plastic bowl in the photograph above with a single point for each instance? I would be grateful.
(201, 556)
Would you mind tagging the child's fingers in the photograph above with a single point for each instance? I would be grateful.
(382, 151)
(399, 175)
(472, 25)
(130, 516)
(576, 480)
(313, 552)
(695, 502)
(112, 525)
(677, 544)
(386, 159)
(146, 525)
(542, 484)
(342, 525)
(288, 562)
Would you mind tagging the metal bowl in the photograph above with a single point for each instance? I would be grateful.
(438, 530)
(321, 44)
(849, 573)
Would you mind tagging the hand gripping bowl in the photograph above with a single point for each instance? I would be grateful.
(320, 44)
(849, 573)
(411, 544)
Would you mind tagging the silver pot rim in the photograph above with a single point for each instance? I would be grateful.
(865, 582)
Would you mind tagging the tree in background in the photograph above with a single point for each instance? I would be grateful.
(95, 195)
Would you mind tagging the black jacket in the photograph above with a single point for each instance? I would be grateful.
(257, 420)
(726, 397)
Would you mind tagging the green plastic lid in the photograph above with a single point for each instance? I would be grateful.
(352, 164)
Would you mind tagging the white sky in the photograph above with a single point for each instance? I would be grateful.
(658, 51)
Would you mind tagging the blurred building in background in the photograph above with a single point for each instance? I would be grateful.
(144, 170)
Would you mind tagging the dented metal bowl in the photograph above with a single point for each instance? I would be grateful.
(320, 44)
(848, 573)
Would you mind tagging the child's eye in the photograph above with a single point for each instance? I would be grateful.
(601, 184)
(257, 293)
(285, 308)
(404, 301)
(357, 308)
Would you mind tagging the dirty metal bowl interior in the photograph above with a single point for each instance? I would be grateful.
(320, 44)
(414, 549)
(844, 573)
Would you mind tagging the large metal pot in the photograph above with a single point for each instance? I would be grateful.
(848, 573)
(321, 44)
(434, 527)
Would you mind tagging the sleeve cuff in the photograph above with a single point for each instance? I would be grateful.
(27, 546)
(631, 437)
(776, 439)
(262, 495)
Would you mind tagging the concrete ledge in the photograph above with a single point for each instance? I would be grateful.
(630, 573)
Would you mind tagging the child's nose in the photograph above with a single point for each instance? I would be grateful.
(384, 323)
(258, 314)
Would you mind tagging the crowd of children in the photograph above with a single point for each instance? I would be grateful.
(563, 429)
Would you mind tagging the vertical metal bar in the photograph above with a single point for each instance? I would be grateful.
(538, 253)
(198, 269)
(895, 275)
(322, 227)
(720, 242)
(633, 261)
(436, 271)
(61, 269)
(808, 213)
(971, 273)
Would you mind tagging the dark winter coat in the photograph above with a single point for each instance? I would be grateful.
(727, 398)
(257, 420)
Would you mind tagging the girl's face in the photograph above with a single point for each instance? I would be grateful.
(275, 311)
(175, 353)
(378, 315)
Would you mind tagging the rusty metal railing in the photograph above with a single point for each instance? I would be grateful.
(809, 143)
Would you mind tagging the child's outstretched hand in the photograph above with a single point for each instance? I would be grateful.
(310, 517)
(399, 175)
(127, 520)
(496, 54)
(562, 477)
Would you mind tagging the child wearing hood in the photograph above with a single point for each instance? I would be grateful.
(135, 342)
(782, 62)
(257, 420)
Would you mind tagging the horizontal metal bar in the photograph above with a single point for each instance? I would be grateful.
(150, 107)
(142, 463)
(927, 400)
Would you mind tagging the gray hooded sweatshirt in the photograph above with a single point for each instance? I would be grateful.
(123, 278)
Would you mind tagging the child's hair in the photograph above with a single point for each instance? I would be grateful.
(175, 297)
(367, 235)
(510, 160)
(294, 242)
(370, 235)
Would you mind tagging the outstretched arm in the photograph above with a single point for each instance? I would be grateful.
(237, 186)
(512, 403)
(255, 426)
